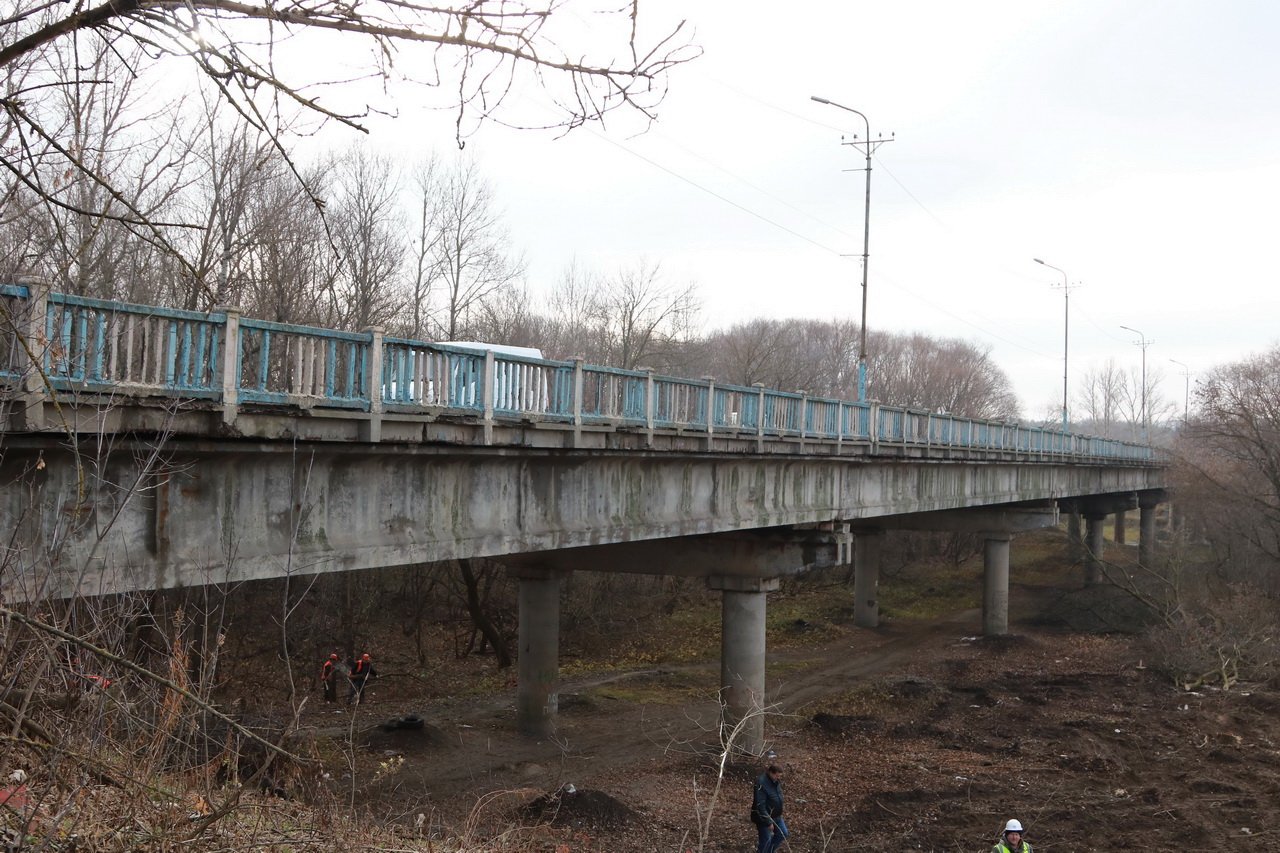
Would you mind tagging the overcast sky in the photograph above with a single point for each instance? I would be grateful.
(1132, 143)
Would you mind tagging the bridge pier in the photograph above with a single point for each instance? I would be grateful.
(538, 662)
(1147, 528)
(742, 660)
(1119, 533)
(1075, 540)
(1093, 546)
(995, 584)
(866, 577)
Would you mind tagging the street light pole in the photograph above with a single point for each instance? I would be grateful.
(869, 145)
(1186, 390)
(1066, 321)
(1144, 343)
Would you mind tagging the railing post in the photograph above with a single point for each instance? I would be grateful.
(490, 389)
(373, 385)
(873, 426)
(230, 363)
(577, 399)
(650, 405)
(35, 388)
(711, 407)
(840, 410)
(804, 414)
(759, 416)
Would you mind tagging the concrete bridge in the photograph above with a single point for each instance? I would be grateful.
(152, 448)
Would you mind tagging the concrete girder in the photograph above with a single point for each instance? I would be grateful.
(1100, 506)
(749, 555)
(976, 520)
(221, 511)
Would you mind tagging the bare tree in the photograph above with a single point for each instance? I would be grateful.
(941, 374)
(366, 225)
(1233, 454)
(425, 243)
(471, 55)
(646, 316)
(473, 258)
(1098, 395)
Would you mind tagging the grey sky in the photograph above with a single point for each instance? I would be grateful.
(1131, 143)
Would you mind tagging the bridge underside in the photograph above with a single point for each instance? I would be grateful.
(137, 515)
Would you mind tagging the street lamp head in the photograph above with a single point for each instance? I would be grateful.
(820, 100)
(1038, 261)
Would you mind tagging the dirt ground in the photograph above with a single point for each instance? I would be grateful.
(914, 736)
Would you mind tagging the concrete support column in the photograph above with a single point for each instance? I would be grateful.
(742, 658)
(1075, 541)
(1093, 547)
(995, 585)
(1119, 531)
(866, 577)
(538, 664)
(1146, 532)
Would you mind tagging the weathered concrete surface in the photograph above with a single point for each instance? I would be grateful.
(194, 512)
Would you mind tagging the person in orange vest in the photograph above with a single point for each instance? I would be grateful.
(328, 677)
(360, 675)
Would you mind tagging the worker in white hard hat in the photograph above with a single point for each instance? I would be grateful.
(1011, 840)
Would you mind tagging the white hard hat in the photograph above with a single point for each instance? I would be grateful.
(1013, 826)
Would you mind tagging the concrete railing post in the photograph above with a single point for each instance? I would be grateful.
(711, 408)
(35, 388)
(804, 415)
(650, 405)
(373, 385)
(759, 386)
(490, 390)
(578, 379)
(230, 366)
(873, 426)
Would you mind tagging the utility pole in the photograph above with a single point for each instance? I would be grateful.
(1144, 343)
(1066, 327)
(868, 146)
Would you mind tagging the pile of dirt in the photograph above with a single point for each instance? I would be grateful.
(581, 809)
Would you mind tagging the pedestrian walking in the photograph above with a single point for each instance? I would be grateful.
(360, 675)
(766, 810)
(329, 677)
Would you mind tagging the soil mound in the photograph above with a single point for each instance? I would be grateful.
(580, 809)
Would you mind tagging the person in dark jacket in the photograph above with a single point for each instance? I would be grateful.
(360, 675)
(766, 810)
(329, 677)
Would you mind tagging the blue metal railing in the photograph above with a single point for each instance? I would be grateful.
(102, 346)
